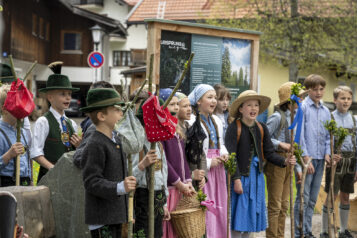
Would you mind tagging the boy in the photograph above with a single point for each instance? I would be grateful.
(104, 167)
(10, 149)
(54, 133)
(346, 168)
(315, 143)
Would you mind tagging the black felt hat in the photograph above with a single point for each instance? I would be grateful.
(57, 80)
(100, 98)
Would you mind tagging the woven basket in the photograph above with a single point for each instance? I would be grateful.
(189, 220)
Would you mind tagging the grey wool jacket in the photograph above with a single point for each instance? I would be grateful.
(103, 165)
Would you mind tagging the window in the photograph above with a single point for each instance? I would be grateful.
(71, 42)
(34, 24)
(47, 31)
(42, 28)
(121, 58)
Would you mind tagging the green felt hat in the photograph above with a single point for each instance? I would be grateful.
(100, 98)
(57, 80)
(6, 74)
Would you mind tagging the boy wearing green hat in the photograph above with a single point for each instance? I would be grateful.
(54, 134)
(104, 166)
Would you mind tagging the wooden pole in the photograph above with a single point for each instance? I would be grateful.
(30, 70)
(151, 170)
(292, 223)
(302, 186)
(131, 200)
(330, 192)
(228, 202)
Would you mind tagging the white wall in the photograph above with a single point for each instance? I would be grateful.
(113, 10)
(137, 37)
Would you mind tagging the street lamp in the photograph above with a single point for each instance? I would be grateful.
(97, 33)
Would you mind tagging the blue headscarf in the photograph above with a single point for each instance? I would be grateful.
(198, 92)
(165, 93)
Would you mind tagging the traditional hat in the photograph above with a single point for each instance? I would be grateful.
(249, 95)
(57, 80)
(100, 98)
(6, 75)
(164, 93)
(285, 93)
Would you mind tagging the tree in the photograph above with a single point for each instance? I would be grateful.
(300, 33)
(226, 66)
(240, 78)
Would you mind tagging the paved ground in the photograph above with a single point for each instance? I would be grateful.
(316, 228)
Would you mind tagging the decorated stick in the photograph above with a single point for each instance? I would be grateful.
(231, 166)
(131, 200)
(18, 130)
(340, 134)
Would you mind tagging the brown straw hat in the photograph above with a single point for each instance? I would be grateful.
(285, 93)
(249, 95)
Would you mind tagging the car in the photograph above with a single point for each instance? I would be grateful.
(73, 109)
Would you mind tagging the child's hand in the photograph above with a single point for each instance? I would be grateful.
(75, 140)
(336, 158)
(290, 160)
(215, 162)
(129, 183)
(192, 189)
(150, 158)
(238, 186)
(198, 174)
(16, 149)
(310, 169)
(202, 183)
(167, 216)
(285, 146)
(224, 158)
(183, 188)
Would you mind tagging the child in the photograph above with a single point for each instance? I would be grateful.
(251, 142)
(54, 133)
(346, 173)
(179, 175)
(104, 167)
(278, 179)
(204, 98)
(10, 149)
(198, 171)
(141, 162)
(315, 143)
(221, 111)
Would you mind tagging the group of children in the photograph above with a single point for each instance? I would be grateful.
(259, 149)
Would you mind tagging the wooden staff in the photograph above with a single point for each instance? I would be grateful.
(302, 186)
(330, 195)
(130, 173)
(292, 223)
(151, 170)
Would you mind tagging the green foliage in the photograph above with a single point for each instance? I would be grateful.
(201, 196)
(140, 234)
(331, 126)
(339, 133)
(226, 66)
(297, 33)
(231, 163)
(298, 153)
(296, 88)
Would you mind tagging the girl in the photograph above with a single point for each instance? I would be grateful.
(198, 170)
(221, 111)
(204, 98)
(251, 142)
(179, 176)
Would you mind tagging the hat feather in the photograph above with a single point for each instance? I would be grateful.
(56, 67)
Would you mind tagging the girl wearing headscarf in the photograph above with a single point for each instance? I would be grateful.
(204, 98)
(179, 175)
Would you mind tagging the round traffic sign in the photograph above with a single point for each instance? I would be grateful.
(95, 59)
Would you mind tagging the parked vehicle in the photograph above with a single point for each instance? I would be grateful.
(73, 109)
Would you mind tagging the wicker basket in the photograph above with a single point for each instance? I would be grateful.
(189, 220)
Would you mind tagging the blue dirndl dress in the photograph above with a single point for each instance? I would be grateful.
(248, 211)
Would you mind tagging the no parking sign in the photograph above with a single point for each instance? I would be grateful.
(95, 59)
